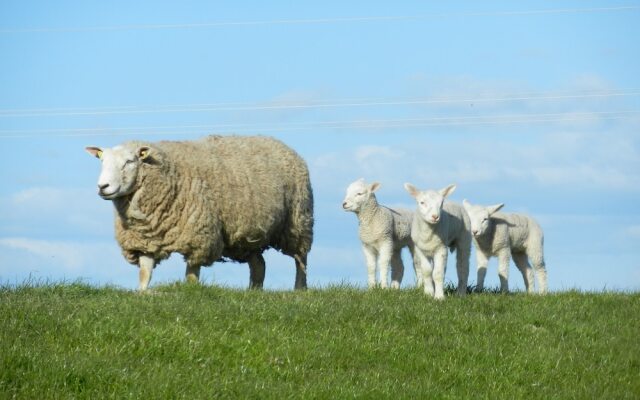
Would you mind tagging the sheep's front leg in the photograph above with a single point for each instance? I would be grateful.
(384, 259)
(439, 267)
(192, 274)
(256, 271)
(146, 265)
(426, 271)
(370, 256)
(503, 269)
(416, 265)
(482, 261)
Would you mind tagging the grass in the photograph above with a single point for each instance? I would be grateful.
(190, 341)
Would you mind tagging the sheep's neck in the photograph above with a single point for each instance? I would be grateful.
(368, 210)
(485, 240)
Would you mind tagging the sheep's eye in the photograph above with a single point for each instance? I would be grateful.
(359, 194)
(422, 203)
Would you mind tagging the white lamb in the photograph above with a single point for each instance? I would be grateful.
(383, 232)
(501, 235)
(437, 227)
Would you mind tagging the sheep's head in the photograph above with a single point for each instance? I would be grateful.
(479, 216)
(429, 201)
(357, 194)
(120, 167)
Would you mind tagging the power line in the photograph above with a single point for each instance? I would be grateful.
(318, 21)
(340, 124)
(66, 112)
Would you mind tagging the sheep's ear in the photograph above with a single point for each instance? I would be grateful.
(374, 186)
(466, 204)
(448, 190)
(94, 151)
(143, 152)
(494, 209)
(413, 191)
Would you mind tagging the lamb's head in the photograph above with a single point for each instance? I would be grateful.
(480, 216)
(429, 201)
(120, 167)
(358, 193)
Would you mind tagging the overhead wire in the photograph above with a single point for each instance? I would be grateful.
(316, 21)
(338, 124)
(121, 110)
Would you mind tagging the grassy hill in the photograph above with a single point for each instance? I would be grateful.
(183, 341)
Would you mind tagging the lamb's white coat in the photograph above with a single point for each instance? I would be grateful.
(503, 235)
(383, 231)
(438, 226)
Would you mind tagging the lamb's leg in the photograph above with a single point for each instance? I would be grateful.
(482, 261)
(370, 256)
(462, 268)
(301, 272)
(192, 274)
(146, 265)
(384, 259)
(503, 269)
(256, 271)
(439, 268)
(426, 270)
(416, 266)
(397, 269)
(541, 271)
(521, 261)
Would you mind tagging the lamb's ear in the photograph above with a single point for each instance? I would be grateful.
(94, 151)
(374, 186)
(466, 204)
(448, 190)
(413, 191)
(144, 152)
(494, 209)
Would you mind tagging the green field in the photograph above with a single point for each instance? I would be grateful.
(191, 341)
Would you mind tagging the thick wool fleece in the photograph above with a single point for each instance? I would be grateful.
(217, 197)
(520, 236)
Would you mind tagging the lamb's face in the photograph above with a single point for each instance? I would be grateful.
(119, 170)
(480, 217)
(357, 194)
(429, 202)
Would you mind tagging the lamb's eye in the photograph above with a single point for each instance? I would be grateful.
(422, 203)
(359, 194)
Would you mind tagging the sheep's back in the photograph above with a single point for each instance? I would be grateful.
(252, 182)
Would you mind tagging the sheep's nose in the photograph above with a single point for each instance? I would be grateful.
(344, 204)
(434, 217)
(475, 233)
(102, 186)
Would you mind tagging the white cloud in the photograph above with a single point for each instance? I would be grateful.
(633, 231)
(60, 253)
(70, 209)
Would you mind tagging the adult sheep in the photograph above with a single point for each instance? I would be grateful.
(220, 197)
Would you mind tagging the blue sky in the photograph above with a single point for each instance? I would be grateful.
(534, 104)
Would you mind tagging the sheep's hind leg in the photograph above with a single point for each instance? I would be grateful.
(301, 272)
(397, 270)
(146, 265)
(192, 274)
(256, 271)
(521, 261)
